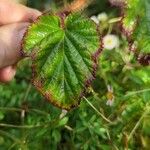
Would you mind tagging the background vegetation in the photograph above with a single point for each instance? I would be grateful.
(28, 121)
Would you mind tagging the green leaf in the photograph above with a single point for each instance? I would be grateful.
(2, 141)
(56, 135)
(1, 115)
(64, 50)
(62, 122)
(136, 24)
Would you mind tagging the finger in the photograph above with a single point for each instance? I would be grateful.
(24, 2)
(10, 43)
(7, 74)
(11, 12)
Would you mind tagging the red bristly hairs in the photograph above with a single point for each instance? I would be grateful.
(78, 5)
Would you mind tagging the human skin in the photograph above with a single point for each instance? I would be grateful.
(14, 19)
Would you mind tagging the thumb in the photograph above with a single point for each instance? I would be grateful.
(7, 74)
(10, 43)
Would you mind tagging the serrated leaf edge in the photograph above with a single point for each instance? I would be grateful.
(87, 82)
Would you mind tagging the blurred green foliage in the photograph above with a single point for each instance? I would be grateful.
(28, 121)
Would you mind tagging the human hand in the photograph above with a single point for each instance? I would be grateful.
(14, 19)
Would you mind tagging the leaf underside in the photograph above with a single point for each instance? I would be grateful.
(63, 50)
(136, 24)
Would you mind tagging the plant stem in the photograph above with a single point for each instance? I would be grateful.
(19, 110)
(10, 136)
(12, 146)
(27, 92)
(114, 20)
(21, 126)
(44, 125)
(107, 120)
(138, 123)
(137, 92)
